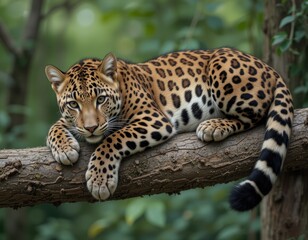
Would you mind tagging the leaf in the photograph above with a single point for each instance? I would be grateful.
(286, 20)
(301, 89)
(135, 210)
(137, 13)
(285, 45)
(214, 22)
(190, 44)
(109, 16)
(168, 46)
(211, 7)
(230, 232)
(149, 29)
(279, 38)
(97, 227)
(242, 25)
(4, 119)
(100, 225)
(155, 213)
(299, 35)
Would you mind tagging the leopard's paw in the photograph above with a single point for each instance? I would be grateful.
(101, 181)
(66, 152)
(212, 130)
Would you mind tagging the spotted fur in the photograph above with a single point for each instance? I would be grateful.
(127, 108)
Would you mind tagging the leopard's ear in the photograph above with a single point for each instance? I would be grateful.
(55, 76)
(108, 66)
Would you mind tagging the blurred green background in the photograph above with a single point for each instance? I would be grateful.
(136, 31)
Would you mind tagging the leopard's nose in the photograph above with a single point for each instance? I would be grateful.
(91, 129)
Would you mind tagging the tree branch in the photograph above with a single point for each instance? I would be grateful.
(31, 28)
(67, 4)
(8, 41)
(31, 176)
(33, 22)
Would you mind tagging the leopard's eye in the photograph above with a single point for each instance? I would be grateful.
(73, 104)
(101, 99)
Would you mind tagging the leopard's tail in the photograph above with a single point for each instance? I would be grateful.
(249, 193)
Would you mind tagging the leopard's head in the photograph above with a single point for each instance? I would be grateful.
(88, 96)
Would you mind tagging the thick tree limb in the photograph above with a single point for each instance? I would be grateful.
(31, 176)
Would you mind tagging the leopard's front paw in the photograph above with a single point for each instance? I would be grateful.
(66, 152)
(101, 180)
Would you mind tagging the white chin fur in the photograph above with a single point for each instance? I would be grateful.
(94, 139)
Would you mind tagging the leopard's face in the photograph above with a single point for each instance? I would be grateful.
(88, 96)
(91, 113)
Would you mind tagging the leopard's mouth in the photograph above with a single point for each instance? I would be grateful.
(94, 139)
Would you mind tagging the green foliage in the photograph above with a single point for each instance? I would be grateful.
(297, 22)
(194, 214)
(153, 210)
(294, 32)
(281, 39)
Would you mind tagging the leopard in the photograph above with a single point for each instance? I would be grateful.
(125, 108)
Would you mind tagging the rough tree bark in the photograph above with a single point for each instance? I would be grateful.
(31, 176)
(284, 213)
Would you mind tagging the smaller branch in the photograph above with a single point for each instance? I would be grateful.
(33, 22)
(8, 41)
(68, 4)
(196, 18)
(293, 22)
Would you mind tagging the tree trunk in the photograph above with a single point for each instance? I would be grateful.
(31, 176)
(284, 212)
(22, 59)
